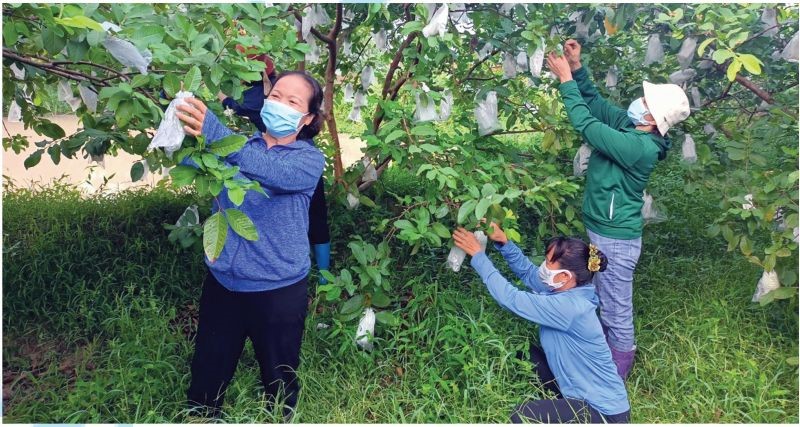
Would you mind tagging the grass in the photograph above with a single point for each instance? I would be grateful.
(99, 310)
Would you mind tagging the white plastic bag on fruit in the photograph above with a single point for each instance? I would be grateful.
(348, 93)
(314, 53)
(612, 77)
(380, 39)
(709, 129)
(522, 62)
(768, 282)
(688, 149)
(696, 98)
(537, 61)
(14, 112)
(682, 76)
(482, 239)
(189, 217)
(425, 110)
(347, 48)
(352, 201)
(438, 22)
(509, 66)
(89, 98)
(360, 100)
(486, 114)
(170, 133)
(581, 161)
(315, 16)
(65, 94)
(769, 21)
(460, 18)
(686, 53)
(19, 73)
(655, 52)
(506, 8)
(355, 114)
(650, 213)
(99, 159)
(455, 258)
(748, 204)
(485, 51)
(127, 54)
(110, 26)
(446, 105)
(367, 77)
(366, 329)
(796, 232)
(370, 174)
(790, 52)
(581, 29)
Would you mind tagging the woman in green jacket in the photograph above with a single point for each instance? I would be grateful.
(626, 146)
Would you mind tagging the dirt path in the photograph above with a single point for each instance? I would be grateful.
(89, 175)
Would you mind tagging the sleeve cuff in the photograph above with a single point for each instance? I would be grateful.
(569, 86)
(211, 123)
(506, 249)
(580, 73)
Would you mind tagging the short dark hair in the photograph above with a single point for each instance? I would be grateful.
(573, 254)
(312, 129)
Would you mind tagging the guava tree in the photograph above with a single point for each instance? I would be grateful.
(442, 94)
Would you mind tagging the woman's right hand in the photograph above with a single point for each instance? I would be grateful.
(497, 235)
(572, 51)
(193, 114)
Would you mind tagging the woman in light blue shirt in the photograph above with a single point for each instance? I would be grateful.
(574, 361)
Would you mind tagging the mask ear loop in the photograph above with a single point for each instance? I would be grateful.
(267, 83)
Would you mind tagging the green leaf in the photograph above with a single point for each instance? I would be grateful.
(379, 299)
(722, 55)
(52, 42)
(147, 35)
(33, 159)
(751, 63)
(513, 235)
(192, 79)
(386, 318)
(783, 293)
(79, 22)
(441, 230)
(482, 207)
(215, 231)
(352, 305)
(466, 208)
(171, 84)
(733, 69)
(10, 35)
(228, 145)
(241, 224)
(397, 134)
(236, 194)
(183, 175)
(214, 187)
(137, 171)
(404, 224)
(703, 45)
(55, 153)
(49, 129)
(746, 246)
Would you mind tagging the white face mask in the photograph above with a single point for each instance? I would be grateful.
(548, 276)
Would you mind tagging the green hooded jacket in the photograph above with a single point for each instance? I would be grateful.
(621, 162)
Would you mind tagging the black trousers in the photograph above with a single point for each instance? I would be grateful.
(274, 322)
(559, 410)
(318, 230)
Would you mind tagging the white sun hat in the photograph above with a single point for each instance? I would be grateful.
(668, 104)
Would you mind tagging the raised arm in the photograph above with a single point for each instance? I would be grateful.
(599, 107)
(521, 266)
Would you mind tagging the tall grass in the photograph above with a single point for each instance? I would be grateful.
(98, 320)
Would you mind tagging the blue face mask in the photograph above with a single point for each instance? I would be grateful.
(280, 119)
(637, 111)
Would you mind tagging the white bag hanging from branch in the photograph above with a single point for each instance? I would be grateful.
(486, 114)
(522, 62)
(769, 19)
(127, 54)
(347, 48)
(485, 51)
(682, 76)
(688, 149)
(355, 114)
(65, 95)
(425, 108)
(438, 22)
(348, 18)
(650, 214)
(482, 239)
(348, 93)
(581, 161)
(506, 8)
(456, 256)
(581, 28)
(790, 52)
(14, 112)
(314, 53)
(655, 52)
(696, 98)
(170, 133)
(19, 73)
(509, 66)
(612, 77)
(352, 201)
(709, 129)
(380, 39)
(686, 54)
(537, 61)
(748, 204)
(446, 105)
(366, 329)
(370, 174)
(89, 98)
(460, 18)
(360, 100)
(110, 26)
(367, 77)
(768, 282)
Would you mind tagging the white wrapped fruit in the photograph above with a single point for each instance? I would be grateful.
(581, 161)
(536, 62)
(686, 53)
(509, 66)
(127, 54)
(438, 23)
(367, 77)
(790, 52)
(655, 52)
(688, 149)
(170, 133)
(486, 114)
(768, 282)
(366, 329)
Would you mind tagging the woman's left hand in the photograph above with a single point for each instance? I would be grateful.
(193, 115)
(559, 66)
(466, 241)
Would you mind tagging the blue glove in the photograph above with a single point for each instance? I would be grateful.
(322, 254)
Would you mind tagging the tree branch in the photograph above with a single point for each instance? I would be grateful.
(330, 78)
(477, 64)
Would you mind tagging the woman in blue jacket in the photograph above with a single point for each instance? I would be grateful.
(258, 289)
(574, 361)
